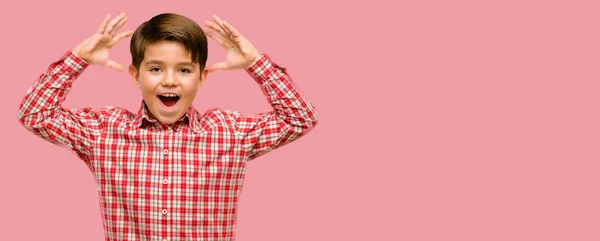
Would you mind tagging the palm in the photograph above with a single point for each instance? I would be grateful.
(99, 47)
(237, 53)
(240, 53)
(96, 49)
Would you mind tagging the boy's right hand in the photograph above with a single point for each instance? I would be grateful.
(95, 49)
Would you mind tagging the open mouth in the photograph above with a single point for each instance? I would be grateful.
(168, 100)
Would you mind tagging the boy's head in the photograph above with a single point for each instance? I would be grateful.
(169, 54)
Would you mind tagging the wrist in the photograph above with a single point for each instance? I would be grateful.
(78, 56)
(253, 60)
(77, 53)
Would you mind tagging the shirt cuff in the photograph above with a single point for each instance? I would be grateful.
(75, 56)
(69, 63)
(263, 67)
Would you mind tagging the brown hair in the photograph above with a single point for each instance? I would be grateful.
(170, 27)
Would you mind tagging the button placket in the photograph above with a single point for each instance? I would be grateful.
(165, 180)
(167, 151)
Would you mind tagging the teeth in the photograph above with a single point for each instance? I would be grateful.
(169, 95)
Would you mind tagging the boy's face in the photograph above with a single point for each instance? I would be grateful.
(168, 80)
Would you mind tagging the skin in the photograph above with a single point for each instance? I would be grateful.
(166, 67)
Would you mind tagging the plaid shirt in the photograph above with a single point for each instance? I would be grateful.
(160, 182)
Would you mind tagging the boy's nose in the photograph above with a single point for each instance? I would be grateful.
(170, 79)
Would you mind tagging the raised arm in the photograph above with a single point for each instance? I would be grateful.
(292, 116)
(41, 111)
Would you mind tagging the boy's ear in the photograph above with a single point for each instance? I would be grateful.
(203, 77)
(134, 75)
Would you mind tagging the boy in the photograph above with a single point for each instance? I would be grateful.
(167, 172)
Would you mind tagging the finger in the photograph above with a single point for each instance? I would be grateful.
(114, 65)
(220, 23)
(122, 36)
(103, 25)
(114, 22)
(214, 36)
(218, 66)
(234, 32)
(117, 27)
(216, 28)
(114, 28)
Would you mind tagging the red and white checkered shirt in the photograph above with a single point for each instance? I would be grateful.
(157, 182)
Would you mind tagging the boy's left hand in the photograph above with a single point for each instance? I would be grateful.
(240, 52)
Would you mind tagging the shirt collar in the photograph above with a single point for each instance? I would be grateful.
(190, 116)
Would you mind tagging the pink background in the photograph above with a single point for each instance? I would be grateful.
(440, 120)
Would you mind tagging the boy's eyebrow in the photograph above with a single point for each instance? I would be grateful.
(160, 63)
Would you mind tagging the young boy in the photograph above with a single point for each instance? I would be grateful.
(167, 172)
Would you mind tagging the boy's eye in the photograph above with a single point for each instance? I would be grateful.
(154, 69)
(186, 70)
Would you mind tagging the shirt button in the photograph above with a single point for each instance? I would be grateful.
(164, 211)
(165, 181)
(166, 152)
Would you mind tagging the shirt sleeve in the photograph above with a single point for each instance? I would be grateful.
(292, 116)
(41, 110)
